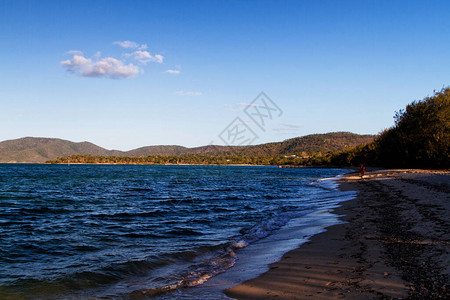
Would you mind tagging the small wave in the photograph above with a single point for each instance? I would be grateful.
(215, 190)
(182, 201)
(271, 196)
(235, 197)
(128, 215)
(202, 220)
(183, 231)
(266, 227)
(85, 248)
(141, 235)
(84, 280)
(224, 209)
(198, 274)
(43, 210)
(140, 189)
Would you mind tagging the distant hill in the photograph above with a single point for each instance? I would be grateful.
(158, 150)
(334, 141)
(40, 150)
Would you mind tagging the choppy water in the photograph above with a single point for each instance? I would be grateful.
(125, 231)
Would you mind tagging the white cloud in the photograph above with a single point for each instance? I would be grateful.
(288, 128)
(188, 93)
(129, 66)
(106, 67)
(144, 57)
(127, 44)
(291, 125)
(130, 45)
(143, 47)
(74, 52)
(97, 55)
(175, 72)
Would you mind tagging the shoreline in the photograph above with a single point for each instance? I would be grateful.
(254, 259)
(126, 164)
(217, 165)
(394, 244)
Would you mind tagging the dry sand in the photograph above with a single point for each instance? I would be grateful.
(395, 245)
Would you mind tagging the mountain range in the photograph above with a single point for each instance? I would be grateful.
(40, 150)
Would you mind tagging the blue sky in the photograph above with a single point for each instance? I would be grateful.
(179, 72)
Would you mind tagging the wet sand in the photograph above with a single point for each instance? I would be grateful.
(395, 244)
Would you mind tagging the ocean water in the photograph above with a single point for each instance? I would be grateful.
(123, 231)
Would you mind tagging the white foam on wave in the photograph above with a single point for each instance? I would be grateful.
(240, 244)
(329, 183)
(265, 228)
(277, 221)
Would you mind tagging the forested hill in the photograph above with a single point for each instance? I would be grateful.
(308, 144)
(40, 150)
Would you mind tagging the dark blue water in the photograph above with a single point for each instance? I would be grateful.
(112, 231)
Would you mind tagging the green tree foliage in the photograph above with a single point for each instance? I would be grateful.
(420, 138)
(196, 159)
(167, 160)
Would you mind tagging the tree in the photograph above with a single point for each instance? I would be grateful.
(421, 135)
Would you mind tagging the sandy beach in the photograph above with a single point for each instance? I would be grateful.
(394, 244)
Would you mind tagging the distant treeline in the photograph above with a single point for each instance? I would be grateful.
(420, 138)
(195, 159)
